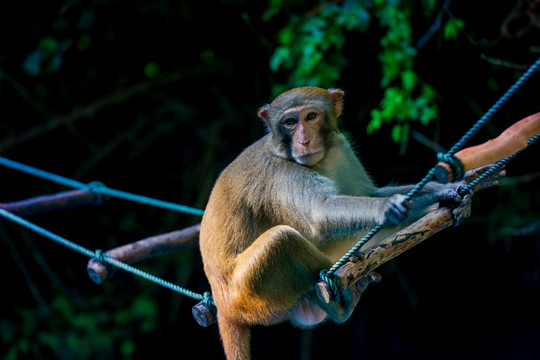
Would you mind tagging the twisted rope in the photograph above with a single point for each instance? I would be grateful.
(99, 188)
(104, 258)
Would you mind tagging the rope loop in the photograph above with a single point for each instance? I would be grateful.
(454, 162)
(96, 187)
(209, 302)
(333, 282)
(99, 256)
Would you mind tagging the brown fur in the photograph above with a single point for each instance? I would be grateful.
(276, 217)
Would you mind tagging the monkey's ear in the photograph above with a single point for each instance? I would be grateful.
(263, 114)
(337, 95)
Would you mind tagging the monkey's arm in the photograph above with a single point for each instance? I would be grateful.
(341, 215)
(431, 192)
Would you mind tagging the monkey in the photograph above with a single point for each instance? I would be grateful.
(289, 206)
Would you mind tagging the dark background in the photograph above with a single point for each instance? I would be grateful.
(157, 97)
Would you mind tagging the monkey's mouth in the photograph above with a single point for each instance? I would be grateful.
(309, 158)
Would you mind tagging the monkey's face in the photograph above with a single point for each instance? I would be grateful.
(303, 127)
(301, 122)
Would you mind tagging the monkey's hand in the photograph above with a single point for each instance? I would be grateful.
(448, 192)
(396, 209)
(463, 210)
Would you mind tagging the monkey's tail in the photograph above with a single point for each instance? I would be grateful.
(235, 338)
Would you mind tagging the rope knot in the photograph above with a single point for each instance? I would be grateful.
(333, 282)
(208, 301)
(454, 162)
(99, 256)
(95, 187)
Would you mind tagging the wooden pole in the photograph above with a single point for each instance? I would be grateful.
(62, 200)
(508, 143)
(203, 315)
(368, 259)
(143, 249)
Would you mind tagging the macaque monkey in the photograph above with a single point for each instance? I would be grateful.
(289, 206)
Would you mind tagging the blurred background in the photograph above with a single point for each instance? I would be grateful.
(157, 97)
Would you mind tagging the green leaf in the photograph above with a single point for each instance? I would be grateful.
(376, 121)
(452, 27)
(396, 133)
(151, 70)
(84, 42)
(280, 56)
(427, 114)
(408, 79)
(286, 35)
(49, 44)
(128, 348)
(207, 56)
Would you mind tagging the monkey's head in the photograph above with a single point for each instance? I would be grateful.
(301, 122)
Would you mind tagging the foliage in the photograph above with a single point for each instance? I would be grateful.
(312, 44)
(66, 331)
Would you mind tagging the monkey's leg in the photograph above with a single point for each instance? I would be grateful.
(273, 274)
(277, 273)
(269, 279)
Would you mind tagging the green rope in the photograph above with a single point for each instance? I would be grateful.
(98, 188)
(454, 162)
(104, 258)
(333, 282)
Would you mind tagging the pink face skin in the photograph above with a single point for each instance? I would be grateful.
(303, 123)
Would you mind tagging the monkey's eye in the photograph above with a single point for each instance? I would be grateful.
(311, 116)
(290, 121)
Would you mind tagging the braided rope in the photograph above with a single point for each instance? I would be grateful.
(104, 258)
(333, 282)
(454, 162)
(99, 188)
